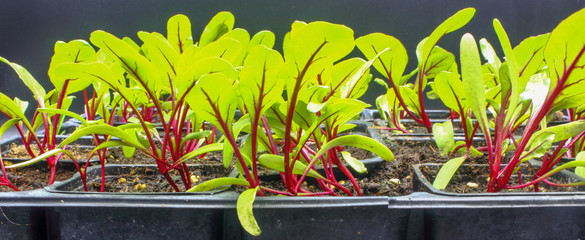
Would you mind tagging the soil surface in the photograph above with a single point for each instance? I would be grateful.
(467, 180)
(151, 180)
(37, 175)
(474, 179)
(395, 178)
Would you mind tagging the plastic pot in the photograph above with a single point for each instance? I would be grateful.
(322, 218)
(21, 217)
(81, 215)
(509, 215)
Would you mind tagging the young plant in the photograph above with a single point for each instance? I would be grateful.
(401, 95)
(161, 73)
(563, 55)
(531, 84)
(320, 99)
(51, 106)
(449, 88)
(575, 114)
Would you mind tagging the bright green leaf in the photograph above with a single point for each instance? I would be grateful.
(473, 82)
(563, 54)
(29, 81)
(393, 56)
(179, 32)
(451, 91)
(277, 163)
(218, 182)
(444, 137)
(220, 24)
(580, 170)
(245, 214)
(446, 173)
(354, 163)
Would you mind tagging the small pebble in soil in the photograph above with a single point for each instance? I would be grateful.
(139, 186)
(395, 181)
(472, 185)
(195, 179)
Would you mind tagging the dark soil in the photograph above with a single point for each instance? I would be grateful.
(384, 181)
(37, 175)
(474, 179)
(396, 178)
(151, 180)
(116, 156)
(79, 152)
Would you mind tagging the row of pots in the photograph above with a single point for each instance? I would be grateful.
(56, 212)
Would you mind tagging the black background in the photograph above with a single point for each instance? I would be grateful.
(29, 29)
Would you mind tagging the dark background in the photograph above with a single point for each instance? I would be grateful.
(29, 29)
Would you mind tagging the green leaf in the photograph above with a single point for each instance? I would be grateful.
(228, 154)
(458, 20)
(260, 86)
(218, 182)
(103, 129)
(63, 112)
(571, 164)
(440, 60)
(226, 48)
(243, 38)
(201, 150)
(563, 54)
(351, 77)
(276, 162)
(187, 78)
(341, 110)
(538, 146)
(41, 157)
(29, 81)
(76, 51)
(128, 151)
(392, 58)
(510, 85)
(160, 53)
(473, 82)
(7, 125)
(489, 54)
(410, 98)
(446, 173)
(137, 66)
(580, 170)
(214, 100)
(529, 56)
(13, 110)
(354, 163)
(264, 38)
(195, 135)
(245, 214)
(220, 24)
(535, 89)
(358, 141)
(561, 132)
(310, 49)
(451, 91)
(179, 32)
(444, 137)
